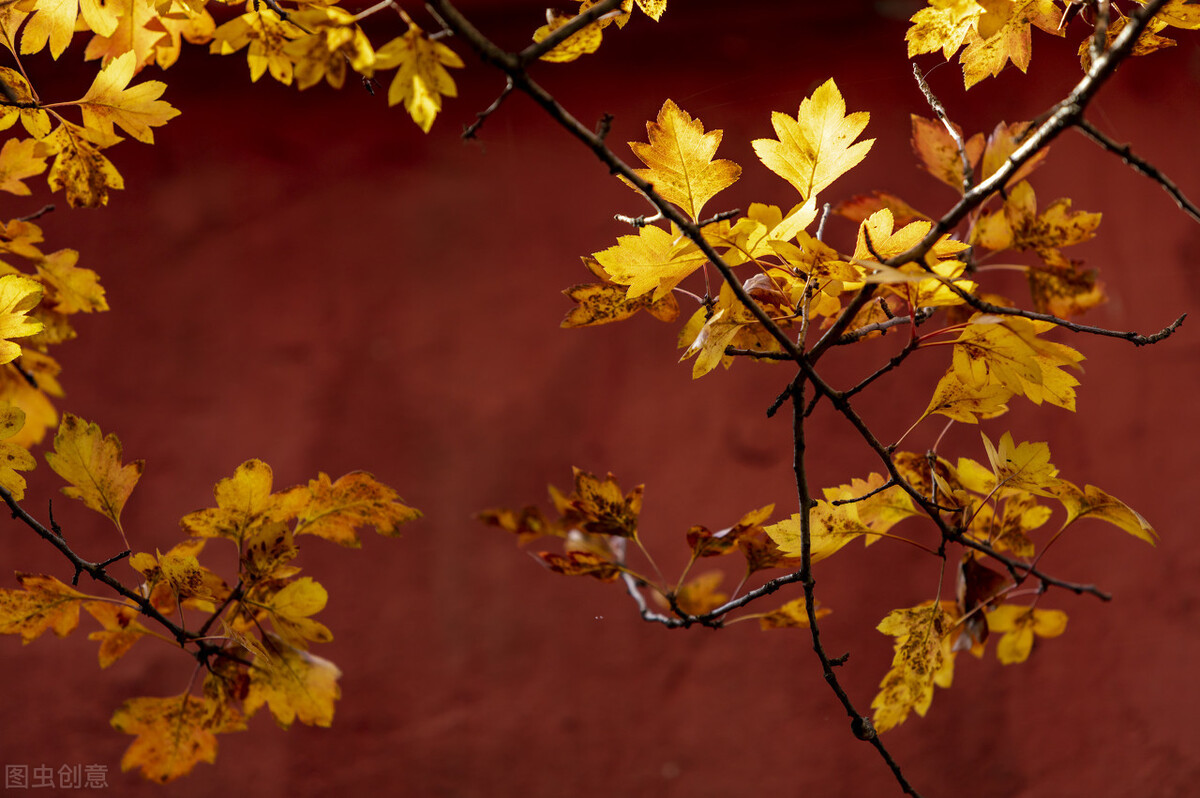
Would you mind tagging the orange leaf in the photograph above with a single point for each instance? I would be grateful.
(43, 604)
(173, 734)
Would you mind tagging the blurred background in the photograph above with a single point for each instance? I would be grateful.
(308, 279)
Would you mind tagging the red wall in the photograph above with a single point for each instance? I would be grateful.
(308, 279)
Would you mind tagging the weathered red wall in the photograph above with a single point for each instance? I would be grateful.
(308, 279)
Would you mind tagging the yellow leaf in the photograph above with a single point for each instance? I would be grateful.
(816, 147)
(653, 260)
(294, 684)
(882, 508)
(679, 157)
(242, 501)
(792, 615)
(1091, 502)
(267, 552)
(1025, 466)
(135, 109)
(12, 456)
(967, 402)
(1008, 351)
(53, 22)
(79, 169)
(121, 629)
(18, 296)
(943, 25)
(187, 578)
(266, 34)
(653, 8)
(698, 595)
(1003, 35)
(44, 604)
(173, 734)
(602, 303)
(334, 510)
(1019, 625)
(421, 81)
(92, 465)
(290, 606)
(72, 289)
(36, 121)
(21, 159)
(138, 30)
(924, 657)
(582, 42)
(830, 528)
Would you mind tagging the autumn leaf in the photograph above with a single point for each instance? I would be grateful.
(862, 206)
(528, 523)
(12, 456)
(110, 101)
(942, 25)
(877, 505)
(705, 543)
(72, 289)
(1018, 225)
(599, 507)
(1025, 466)
(138, 30)
(1001, 144)
(18, 296)
(654, 260)
(679, 160)
(583, 42)
(830, 528)
(121, 629)
(267, 552)
(43, 604)
(290, 607)
(421, 80)
(54, 23)
(266, 35)
(816, 147)
(187, 578)
(792, 615)
(79, 169)
(698, 595)
(939, 153)
(1008, 351)
(1091, 502)
(967, 402)
(333, 42)
(294, 685)
(21, 159)
(1003, 36)
(582, 563)
(334, 510)
(923, 658)
(92, 465)
(173, 734)
(1019, 626)
(242, 501)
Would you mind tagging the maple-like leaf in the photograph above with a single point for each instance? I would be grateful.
(267, 552)
(1025, 466)
(1001, 144)
(876, 506)
(698, 595)
(816, 147)
(924, 657)
(1018, 225)
(1091, 502)
(72, 289)
(79, 168)
(1019, 625)
(584, 41)
(654, 260)
(792, 615)
(939, 154)
(173, 734)
(333, 42)
(18, 296)
(91, 463)
(12, 456)
(943, 25)
(294, 684)
(830, 528)
(242, 501)
(43, 604)
(705, 543)
(21, 159)
(121, 629)
(582, 563)
(53, 22)
(187, 21)
(1003, 36)
(967, 402)
(290, 607)
(599, 506)
(139, 30)
(1008, 351)
(679, 160)
(421, 79)
(135, 109)
(334, 510)
(605, 302)
(266, 35)
(36, 120)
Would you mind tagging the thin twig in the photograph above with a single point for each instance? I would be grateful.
(968, 171)
(1139, 165)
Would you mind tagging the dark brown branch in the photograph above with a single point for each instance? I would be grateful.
(480, 117)
(1139, 165)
